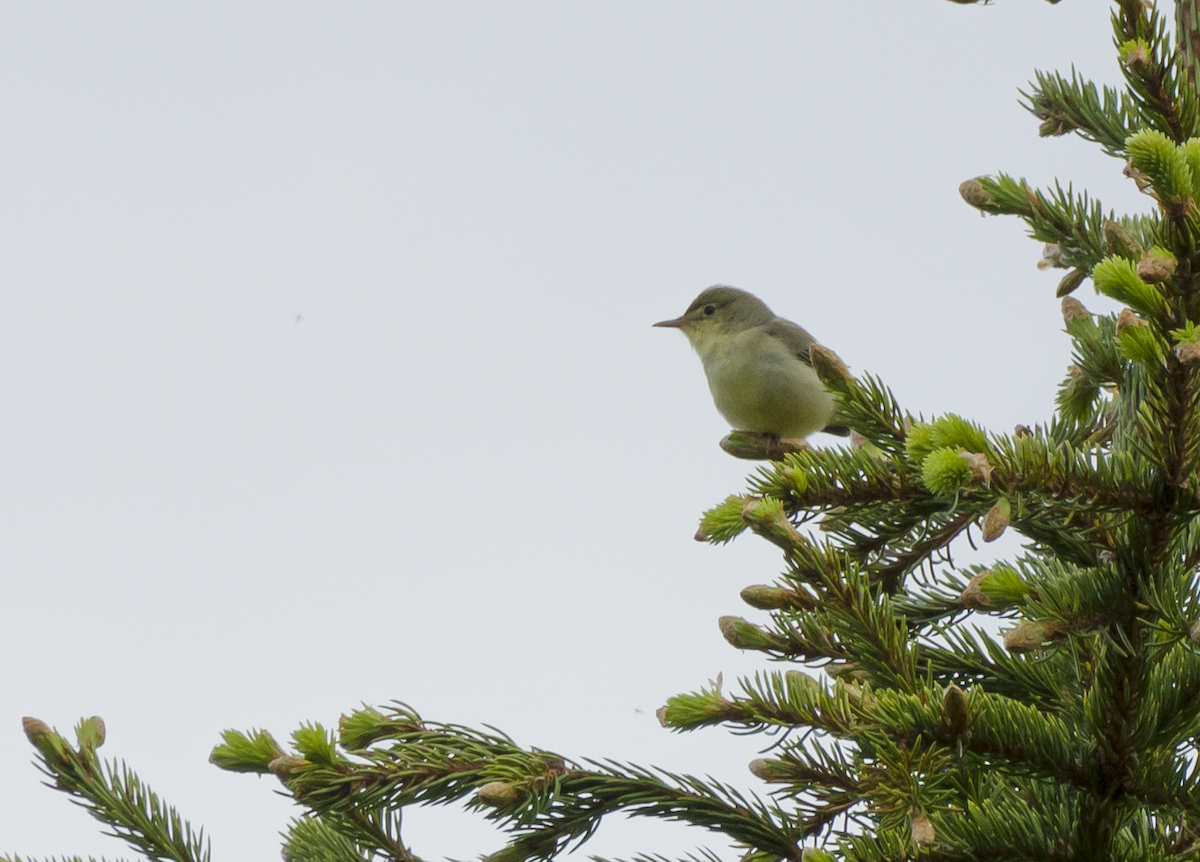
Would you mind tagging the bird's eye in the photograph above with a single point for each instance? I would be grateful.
(710, 310)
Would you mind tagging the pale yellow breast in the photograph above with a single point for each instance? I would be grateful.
(758, 384)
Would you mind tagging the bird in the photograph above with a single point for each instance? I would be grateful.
(758, 366)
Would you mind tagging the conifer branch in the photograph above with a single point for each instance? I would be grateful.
(1147, 61)
(310, 839)
(113, 794)
(387, 760)
(975, 659)
(898, 565)
(1073, 222)
(776, 699)
(1106, 117)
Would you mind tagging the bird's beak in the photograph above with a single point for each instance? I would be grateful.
(677, 323)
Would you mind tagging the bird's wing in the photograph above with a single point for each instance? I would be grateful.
(795, 337)
(799, 341)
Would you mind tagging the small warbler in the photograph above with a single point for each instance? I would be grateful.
(757, 365)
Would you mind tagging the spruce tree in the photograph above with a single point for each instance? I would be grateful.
(906, 729)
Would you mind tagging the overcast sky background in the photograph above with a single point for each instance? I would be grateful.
(468, 477)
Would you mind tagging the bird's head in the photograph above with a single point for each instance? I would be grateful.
(720, 311)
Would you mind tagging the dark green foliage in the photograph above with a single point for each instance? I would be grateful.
(1102, 115)
(113, 794)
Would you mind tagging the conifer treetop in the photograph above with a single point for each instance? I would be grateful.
(903, 726)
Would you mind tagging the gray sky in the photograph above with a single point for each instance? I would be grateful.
(469, 476)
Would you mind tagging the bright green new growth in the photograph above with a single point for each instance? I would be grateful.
(1164, 164)
(1003, 585)
(1142, 345)
(938, 449)
(1118, 277)
(945, 472)
(914, 731)
(1191, 157)
(950, 431)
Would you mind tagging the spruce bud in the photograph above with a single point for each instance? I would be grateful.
(974, 193)
(743, 634)
(1073, 310)
(1070, 281)
(767, 769)
(287, 766)
(1128, 320)
(49, 744)
(828, 365)
(770, 598)
(954, 709)
(981, 468)
(1028, 636)
(764, 597)
(1157, 265)
(1136, 55)
(973, 596)
(90, 733)
(35, 729)
(1053, 127)
(765, 516)
(922, 830)
(996, 520)
(760, 446)
(497, 794)
(1140, 179)
(1119, 240)
(1188, 352)
(1051, 256)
